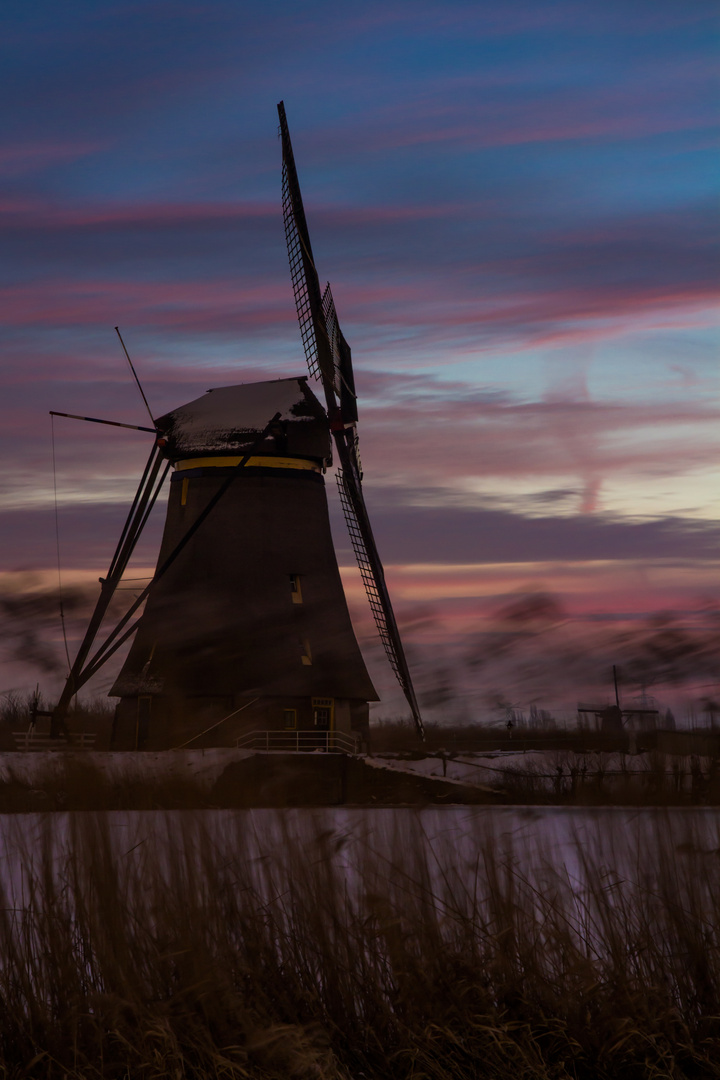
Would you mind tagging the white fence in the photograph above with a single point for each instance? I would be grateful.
(332, 741)
(32, 740)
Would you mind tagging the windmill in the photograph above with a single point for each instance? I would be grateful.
(246, 624)
(613, 718)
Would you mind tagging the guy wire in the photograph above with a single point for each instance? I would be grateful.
(135, 375)
(57, 544)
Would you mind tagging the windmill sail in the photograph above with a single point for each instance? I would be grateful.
(306, 286)
(343, 379)
(329, 360)
(373, 578)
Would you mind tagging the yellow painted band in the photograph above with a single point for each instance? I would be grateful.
(264, 462)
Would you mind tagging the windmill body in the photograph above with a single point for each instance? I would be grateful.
(251, 615)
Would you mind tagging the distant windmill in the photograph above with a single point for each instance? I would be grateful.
(612, 718)
(246, 623)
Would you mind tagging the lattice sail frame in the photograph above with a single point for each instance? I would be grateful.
(299, 280)
(329, 360)
(343, 383)
(366, 572)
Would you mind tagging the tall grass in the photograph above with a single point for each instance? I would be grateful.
(184, 957)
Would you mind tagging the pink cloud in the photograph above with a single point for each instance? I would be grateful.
(427, 305)
(536, 318)
(37, 213)
(32, 212)
(22, 157)
(468, 111)
(522, 129)
(60, 303)
(417, 436)
(583, 588)
(444, 447)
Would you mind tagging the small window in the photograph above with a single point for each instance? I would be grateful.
(290, 719)
(306, 654)
(184, 490)
(296, 589)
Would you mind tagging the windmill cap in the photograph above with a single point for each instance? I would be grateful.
(229, 419)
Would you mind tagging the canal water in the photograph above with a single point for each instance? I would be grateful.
(447, 850)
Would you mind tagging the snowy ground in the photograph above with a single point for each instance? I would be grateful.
(552, 769)
(561, 772)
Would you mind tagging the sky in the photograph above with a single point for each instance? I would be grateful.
(516, 207)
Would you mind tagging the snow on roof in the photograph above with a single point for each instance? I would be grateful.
(230, 418)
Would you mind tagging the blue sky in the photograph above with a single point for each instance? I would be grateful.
(516, 206)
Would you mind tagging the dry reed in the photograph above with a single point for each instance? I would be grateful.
(328, 960)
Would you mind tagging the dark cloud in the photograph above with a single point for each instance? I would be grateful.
(29, 620)
(405, 534)
(88, 535)
(453, 535)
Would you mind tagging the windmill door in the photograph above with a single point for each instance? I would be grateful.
(323, 713)
(142, 728)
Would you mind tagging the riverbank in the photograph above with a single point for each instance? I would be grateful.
(221, 778)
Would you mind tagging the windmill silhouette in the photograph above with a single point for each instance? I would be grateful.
(613, 718)
(245, 624)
